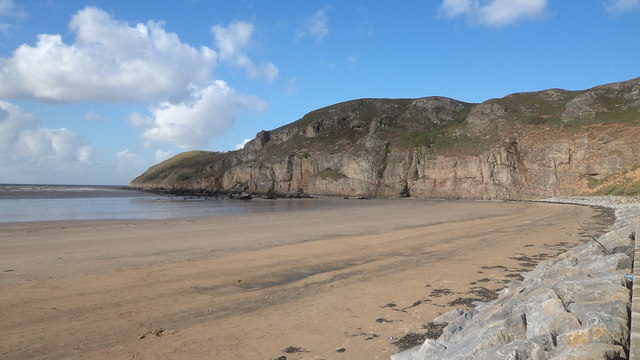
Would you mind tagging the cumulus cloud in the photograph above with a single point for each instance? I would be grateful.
(315, 26)
(617, 7)
(110, 61)
(21, 140)
(493, 12)
(242, 144)
(114, 62)
(194, 122)
(231, 41)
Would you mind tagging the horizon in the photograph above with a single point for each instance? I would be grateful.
(88, 185)
(114, 88)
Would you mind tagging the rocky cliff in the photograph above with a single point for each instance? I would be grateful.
(526, 145)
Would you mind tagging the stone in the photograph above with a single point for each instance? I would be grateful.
(586, 335)
(518, 349)
(593, 289)
(488, 337)
(617, 308)
(547, 342)
(618, 327)
(449, 316)
(549, 316)
(406, 355)
(575, 308)
(590, 352)
(514, 287)
(605, 263)
(623, 249)
(529, 299)
(455, 327)
(430, 350)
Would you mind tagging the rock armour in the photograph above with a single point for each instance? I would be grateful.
(574, 307)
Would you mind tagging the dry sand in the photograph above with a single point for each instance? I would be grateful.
(352, 276)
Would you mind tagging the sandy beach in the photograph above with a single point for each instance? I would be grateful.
(337, 282)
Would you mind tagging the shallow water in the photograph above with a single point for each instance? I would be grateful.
(20, 203)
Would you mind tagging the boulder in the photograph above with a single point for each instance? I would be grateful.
(585, 335)
(549, 316)
(590, 352)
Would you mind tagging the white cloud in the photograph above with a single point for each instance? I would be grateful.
(126, 155)
(617, 7)
(130, 163)
(93, 116)
(241, 145)
(231, 41)
(110, 61)
(162, 155)
(209, 112)
(291, 86)
(8, 9)
(452, 8)
(315, 26)
(136, 119)
(494, 12)
(22, 141)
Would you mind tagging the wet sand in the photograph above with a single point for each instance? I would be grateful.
(354, 277)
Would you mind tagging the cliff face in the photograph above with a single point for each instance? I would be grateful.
(527, 145)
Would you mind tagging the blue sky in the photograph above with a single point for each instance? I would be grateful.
(94, 92)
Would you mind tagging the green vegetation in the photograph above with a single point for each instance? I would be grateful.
(535, 108)
(614, 184)
(330, 174)
(629, 115)
(187, 166)
(424, 138)
(632, 188)
(461, 145)
(430, 126)
(592, 182)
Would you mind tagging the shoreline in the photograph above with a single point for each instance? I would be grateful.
(575, 306)
(318, 281)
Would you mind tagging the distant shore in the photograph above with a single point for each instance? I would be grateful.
(339, 282)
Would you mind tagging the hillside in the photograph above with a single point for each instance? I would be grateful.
(525, 145)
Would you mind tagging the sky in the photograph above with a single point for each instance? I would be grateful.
(95, 92)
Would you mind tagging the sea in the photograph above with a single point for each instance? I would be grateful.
(22, 203)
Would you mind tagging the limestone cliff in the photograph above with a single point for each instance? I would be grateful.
(526, 145)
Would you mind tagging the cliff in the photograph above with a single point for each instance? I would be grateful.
(525, 145)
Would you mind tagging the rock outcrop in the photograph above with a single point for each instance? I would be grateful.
(575, 307)
(527, 145)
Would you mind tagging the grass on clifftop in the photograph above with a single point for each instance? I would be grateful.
(619, 184)
(184, 167)
(620, 189)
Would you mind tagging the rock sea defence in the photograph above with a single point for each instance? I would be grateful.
(573, 308)
(526, 145)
